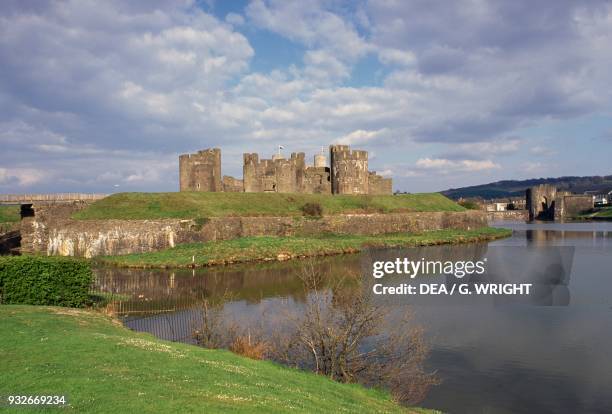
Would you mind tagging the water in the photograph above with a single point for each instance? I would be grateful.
(493, 356)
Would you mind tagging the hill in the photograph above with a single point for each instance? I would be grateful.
(190, 205)
(103, 367)
(514, 188)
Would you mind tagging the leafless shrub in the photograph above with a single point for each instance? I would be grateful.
(249, 347)
(340, 333)
(214, 330)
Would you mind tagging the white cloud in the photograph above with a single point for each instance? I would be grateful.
(124, 86)
(447, 166)
(361, 136)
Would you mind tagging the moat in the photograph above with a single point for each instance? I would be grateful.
(493, 356)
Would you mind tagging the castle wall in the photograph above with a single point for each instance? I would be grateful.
(277, 175)
(567, 206)
(347, 174)
(51, 233)
(201, 171)
(232, 185)
(317, 180)
(349, 170)
(379, 185)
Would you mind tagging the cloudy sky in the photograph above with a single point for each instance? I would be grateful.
(102, 96)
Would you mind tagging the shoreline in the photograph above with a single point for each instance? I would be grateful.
(278, 249)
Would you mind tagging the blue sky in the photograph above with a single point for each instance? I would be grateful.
(103, 96)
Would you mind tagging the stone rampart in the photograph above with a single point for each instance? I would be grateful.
(60, 235)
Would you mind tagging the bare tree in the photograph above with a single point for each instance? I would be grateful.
(339, 332)
(342, 334)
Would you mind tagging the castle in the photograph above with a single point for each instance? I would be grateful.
(347, 173)
(546, 202)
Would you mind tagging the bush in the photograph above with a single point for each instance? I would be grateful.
(39, 280)
(245, 346)
(312, 209)
(469, 204)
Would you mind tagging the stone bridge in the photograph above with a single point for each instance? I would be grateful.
(48, 198)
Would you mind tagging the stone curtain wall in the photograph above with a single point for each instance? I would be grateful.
(56, 234)
(378, 185)
(569, 206)
(232, 185)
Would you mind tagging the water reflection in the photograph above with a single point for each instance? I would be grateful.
(495, 354)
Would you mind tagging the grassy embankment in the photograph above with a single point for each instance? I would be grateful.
(202, 205)
(191, 205)
(103, 367)
(249, 249)
(9, 214)
(600, 214)
(9, 217)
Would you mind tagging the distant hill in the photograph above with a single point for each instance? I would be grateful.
(513, 188)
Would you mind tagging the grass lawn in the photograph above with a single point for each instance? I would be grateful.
(103, 367)
(606, 212)
(269, 248)
(9, 214)
(189, 205)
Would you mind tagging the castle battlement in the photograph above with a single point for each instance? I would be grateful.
(347, 173)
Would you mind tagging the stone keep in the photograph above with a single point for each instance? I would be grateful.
(349, 170)
(201, 171)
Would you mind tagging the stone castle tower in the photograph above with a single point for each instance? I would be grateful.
(347, 173)
(349, 170)
(201, 171)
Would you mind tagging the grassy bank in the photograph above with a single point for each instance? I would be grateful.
(604, 213)
(103, 367)
(9, 214)
(281, 248)
(189, 205)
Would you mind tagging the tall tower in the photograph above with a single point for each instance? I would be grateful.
(349, 170)
(201, 171)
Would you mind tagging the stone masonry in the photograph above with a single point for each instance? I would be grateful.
(52, 231)
(545, 202)
(347, 173)
(201, 171)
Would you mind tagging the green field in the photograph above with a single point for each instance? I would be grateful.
(9, 214)
(103, 367)
(188, 205)
(604, 213)
(248, 249)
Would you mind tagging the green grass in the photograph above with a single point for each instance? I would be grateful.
(189, 205)
(105, 368)
(268, 247)
(605, 213)
(9, 214)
